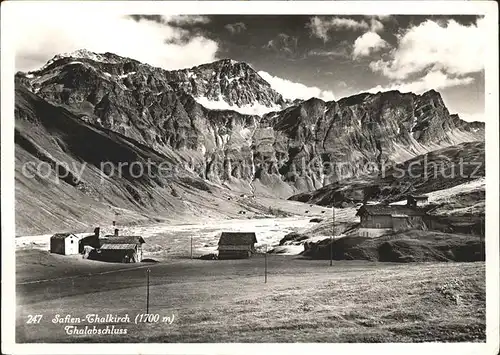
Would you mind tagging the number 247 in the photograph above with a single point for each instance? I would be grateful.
(34, 319)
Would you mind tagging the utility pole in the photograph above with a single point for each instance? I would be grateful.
(331, 237)
(147, 294)
(191, 247)
(481, 237)
(265, 267)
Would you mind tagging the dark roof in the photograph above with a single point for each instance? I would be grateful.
(62, 235)
(125, 239)
(120, 246)
(418, 197)
(87, 236)
(237, 238)
(385, 210)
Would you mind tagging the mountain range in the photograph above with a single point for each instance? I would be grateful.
(220, 126)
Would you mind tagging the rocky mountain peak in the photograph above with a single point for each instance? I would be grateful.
(434, 96)
(224, 84)
(85, 55)
(224, 62)
(227, 84)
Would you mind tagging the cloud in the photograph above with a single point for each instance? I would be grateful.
(283, 43)
(187, 20)
(153, 41)
(235, 28)
(340, 51)
(377, 21)
(450, 47)
(320, 27)
(376, 25)
(368, 43)
(433, 80)
(292, 90)
(383, 17)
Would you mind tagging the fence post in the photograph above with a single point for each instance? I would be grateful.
(265, 268)
(482, 230)
(147, 291)
(331, 237)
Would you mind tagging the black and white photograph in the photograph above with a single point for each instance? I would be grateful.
(251, 172)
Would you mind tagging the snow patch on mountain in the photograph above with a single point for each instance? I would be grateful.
(230, 80)
(81, 54)
(126, 75)
(254, 109)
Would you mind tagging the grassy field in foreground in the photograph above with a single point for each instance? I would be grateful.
(228, 301)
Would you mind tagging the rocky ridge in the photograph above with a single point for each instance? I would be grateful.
(300, 146)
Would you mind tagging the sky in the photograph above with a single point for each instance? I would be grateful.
(301, 56)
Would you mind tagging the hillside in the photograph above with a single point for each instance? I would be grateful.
(437, 170)
(68, 176)
(407, 246)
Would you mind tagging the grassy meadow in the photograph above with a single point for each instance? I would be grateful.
(228, 301)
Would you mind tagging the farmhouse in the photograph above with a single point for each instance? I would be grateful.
(64, 243)
(236, 245)
(126, 249)
(377, 220)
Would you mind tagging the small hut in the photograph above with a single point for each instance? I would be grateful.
(236, 245)
(64, 243)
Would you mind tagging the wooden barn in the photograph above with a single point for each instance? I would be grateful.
(236, 245)
(380, 219)
(125, 249)
(64, 243)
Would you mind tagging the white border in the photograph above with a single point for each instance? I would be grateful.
(487, 8)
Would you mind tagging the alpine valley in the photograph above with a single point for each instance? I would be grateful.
(223, 132)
